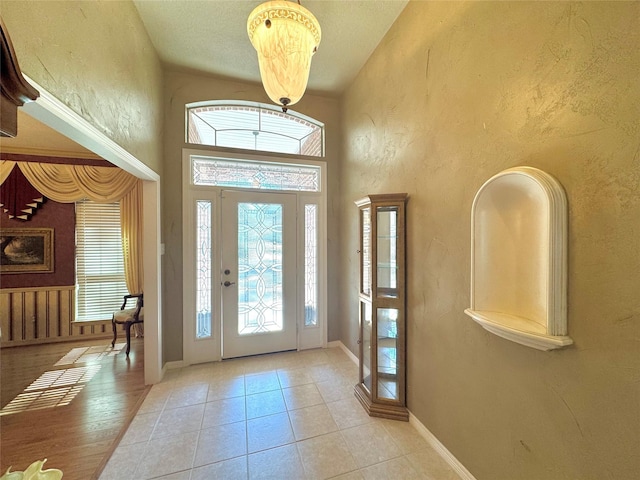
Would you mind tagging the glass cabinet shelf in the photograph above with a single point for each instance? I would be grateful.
(381, 388)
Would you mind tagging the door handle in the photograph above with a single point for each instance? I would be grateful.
(228, 283)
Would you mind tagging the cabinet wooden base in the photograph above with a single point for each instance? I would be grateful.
(383, 410)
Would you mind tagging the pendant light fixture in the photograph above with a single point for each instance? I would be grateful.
(285, 35)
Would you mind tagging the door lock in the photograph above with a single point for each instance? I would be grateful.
(228, 283)
(227, 272)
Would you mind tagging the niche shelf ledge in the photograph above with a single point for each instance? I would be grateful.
(529, 334)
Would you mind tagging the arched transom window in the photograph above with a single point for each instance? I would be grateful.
(253, 126)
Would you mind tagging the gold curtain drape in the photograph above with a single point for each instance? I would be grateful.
(71, 183)
(6, 167)
(131, 221)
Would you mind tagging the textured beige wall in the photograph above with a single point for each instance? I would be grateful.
(182, 88)
(455, 93)
(96, 57)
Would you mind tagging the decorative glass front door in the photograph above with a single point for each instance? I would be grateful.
(254, 271)
(258, 273)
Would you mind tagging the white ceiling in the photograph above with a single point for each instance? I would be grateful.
(35, 138)
(211, 36)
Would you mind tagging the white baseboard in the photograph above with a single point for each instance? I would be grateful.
(348, 352)
(431, 439)
(172, 365)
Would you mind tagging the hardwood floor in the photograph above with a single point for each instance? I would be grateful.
(78, 434)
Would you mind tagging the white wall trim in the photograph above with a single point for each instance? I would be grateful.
(55, 114)
(431, 439)
(152, 282)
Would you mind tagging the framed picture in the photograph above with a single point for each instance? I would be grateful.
(26, 250)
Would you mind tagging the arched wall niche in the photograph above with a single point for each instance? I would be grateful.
(518, 258)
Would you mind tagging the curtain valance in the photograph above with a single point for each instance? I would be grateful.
(70, 183)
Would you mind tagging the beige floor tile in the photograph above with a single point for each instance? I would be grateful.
(221, 443)
(192, 379)
(287, 360)
(348, 371)
(261, 382)
(293, 377)
(335, 389)
(288, 416)
(140, 428)
(431, 465)
(312, 421)
(405, 436)
(323, 372)
(259, 364)
(326, 456)
(179, 420)
(185, 395)
(233, 469)
(122, 464)
(399, 468)
(198, 370)
(171, 375)
(184, 475)
(165, 455)
(229, 369)
(302, 396)
(370, 444)
(218, 369)
(156, 398)
(336, 355)
(317, 356)
(269, 432)
(348, 413)
(282, 463)
(266, 403)
(228, 410)
(226, 387)
(351, 476)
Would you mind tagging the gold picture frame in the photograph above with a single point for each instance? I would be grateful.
(26, 250)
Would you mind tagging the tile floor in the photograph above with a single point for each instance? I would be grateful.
(285, 416)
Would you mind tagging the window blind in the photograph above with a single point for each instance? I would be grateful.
(99, 263)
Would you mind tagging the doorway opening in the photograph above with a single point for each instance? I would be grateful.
(53, 113)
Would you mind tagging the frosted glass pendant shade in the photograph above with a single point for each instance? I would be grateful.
(285, 35)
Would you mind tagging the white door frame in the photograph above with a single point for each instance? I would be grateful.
(58, 116)
(308, 337)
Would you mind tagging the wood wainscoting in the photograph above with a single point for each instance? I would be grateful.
(44, 315)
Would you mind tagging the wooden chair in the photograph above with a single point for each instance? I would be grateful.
(127, 317)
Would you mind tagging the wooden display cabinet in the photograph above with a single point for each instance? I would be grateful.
(382, 357)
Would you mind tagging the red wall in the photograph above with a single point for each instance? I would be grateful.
(61, 217)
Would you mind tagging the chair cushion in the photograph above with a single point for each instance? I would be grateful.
(126, 315)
